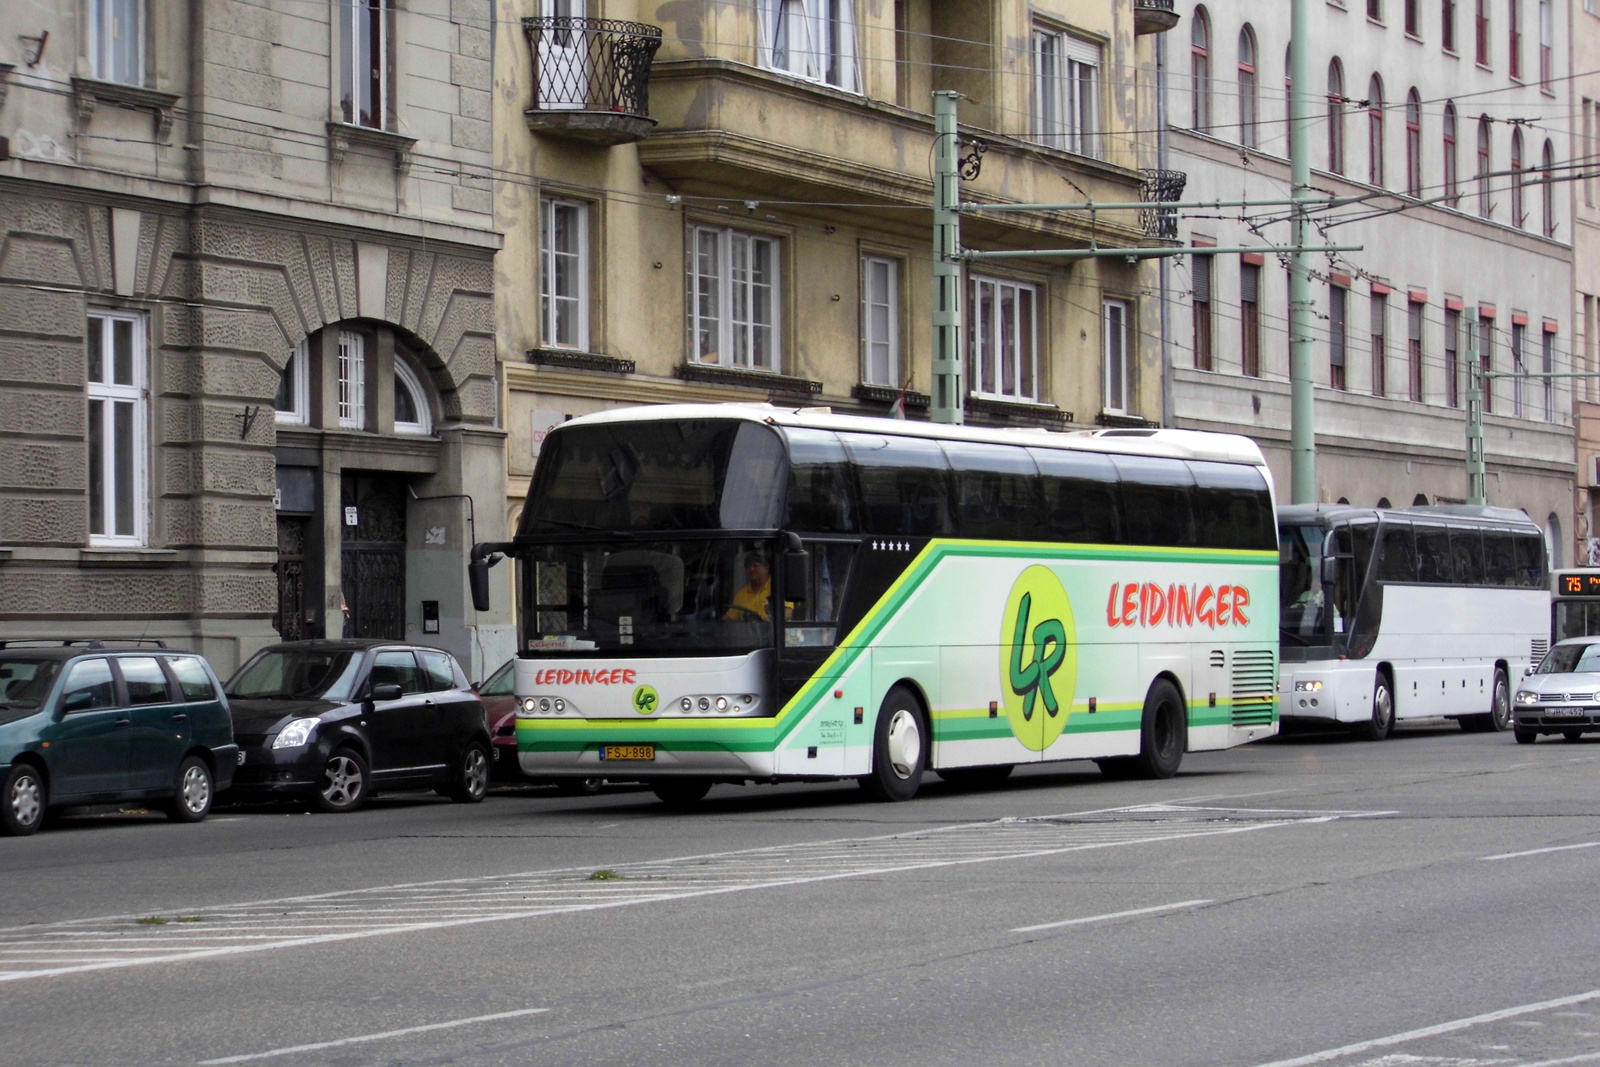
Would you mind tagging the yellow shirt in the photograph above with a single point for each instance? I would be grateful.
(752, 600)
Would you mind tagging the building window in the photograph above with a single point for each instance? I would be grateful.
(1413, 144)
(1480, 25)
(1337, 296)
(1514, 38)
(1375, 131)
(1447, 25)
(1004, 339)
(411, 411)
(1066, 92)
(811, 39)
(1452, 181)
(1336, 117)
(1486, 359)
(1519, 213)
(1591, 117)
(364, 62)
(1452, 357)
(1547, 189)
(1380, 343)
(1546, 51)
(1414, 18)
(1375, 10)
(1414, 350)
(1519, 338)
(292, 405)
(1250, 319)
(733, 298)
(1485, 206)
(880, 321)
(564, 272)
(116, 40)
(1118, 329)
(117, 418)
(1200, 267)
(352, 380)
(1547, 363)
(1200, 70)
(1249, 107)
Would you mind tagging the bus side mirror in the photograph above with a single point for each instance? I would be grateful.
(796, 574)
(478, 579)
(1330, 570)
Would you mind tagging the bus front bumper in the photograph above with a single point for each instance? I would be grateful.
(1326, 692)
(731, 750)
(663, 762)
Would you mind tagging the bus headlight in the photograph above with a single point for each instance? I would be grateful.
(1308, 687)
(1525, 697)
(529, 704)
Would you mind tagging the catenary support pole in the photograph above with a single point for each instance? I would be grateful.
(1477, 478)
(946, 403)
(1302, 429)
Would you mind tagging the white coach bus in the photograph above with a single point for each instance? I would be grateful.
(1403, 613)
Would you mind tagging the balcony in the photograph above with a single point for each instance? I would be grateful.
(591, 78)
(1161, 186)
(1154, 16)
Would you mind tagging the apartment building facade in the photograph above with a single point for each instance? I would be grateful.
(1584, 190)
(1444, 127)
(248, 382)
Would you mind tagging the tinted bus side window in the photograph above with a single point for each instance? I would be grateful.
(1530, 560)
(1080, 496)
(1499, 558)
(905, 484)
(1156, 500)
(1232, 507)
(821, 498)
(997, 492)
(1466, 553)
(1433, 555)
(1397, 555)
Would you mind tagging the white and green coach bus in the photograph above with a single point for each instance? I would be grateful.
(748, 593)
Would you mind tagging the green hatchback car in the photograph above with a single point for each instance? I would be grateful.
(96, 722)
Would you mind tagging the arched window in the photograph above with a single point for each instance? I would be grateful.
(1452, 183)
(1413, 143)
(1248, 107)
(411, 412)
(1336, 117)
(1200, 69)
(1375, 130)
(1485, 208)
(1519, 207)
(1547, 188)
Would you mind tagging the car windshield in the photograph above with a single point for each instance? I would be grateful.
(25, 683)
(1571, 659)
(296, 674)
(502, 683)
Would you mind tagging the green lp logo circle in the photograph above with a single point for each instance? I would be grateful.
(645, 699)
(1038, 657)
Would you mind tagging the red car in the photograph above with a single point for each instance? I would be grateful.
(499, 695)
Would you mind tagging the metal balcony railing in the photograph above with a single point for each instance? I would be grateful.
(1154, 16)
(1161, 186)
(591, 77)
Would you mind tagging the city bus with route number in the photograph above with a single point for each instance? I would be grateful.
(1405, 613)
(1575, 603)
(749, 593)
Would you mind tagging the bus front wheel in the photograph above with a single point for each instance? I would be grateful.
(1382, 721)
(680, 792)
(899, 748)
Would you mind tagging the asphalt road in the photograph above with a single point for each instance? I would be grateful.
(1429, 900)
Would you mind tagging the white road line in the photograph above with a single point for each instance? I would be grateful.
(1433, 1031)
(247, 1057)
(1540, 851)
(1587, 1057)
(1112, 915)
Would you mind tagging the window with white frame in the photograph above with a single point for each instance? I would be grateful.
(1117, 327)
(733, 298)
(116, 40)
(365, 76)
(880, 321)
(352, 380)
(811, 39)
(411, 412)
(117, 427)
(564, 272)
(292, 405)
(1003, 339)
(1066, 91)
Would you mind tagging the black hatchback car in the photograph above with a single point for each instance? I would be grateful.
(335, 721)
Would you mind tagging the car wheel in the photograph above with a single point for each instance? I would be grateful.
(899, 751)
(681, 792)
(342, 785)
(472, 776)
(22, 800)
(1382, 721)
(1162, 732)
(580, 787)
(1499, 717)
(1524, 737)
(193, 792)
(1572, 735)
(976, 777)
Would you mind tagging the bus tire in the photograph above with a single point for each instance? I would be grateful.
(680, 792)
(976, 777)
(1382, 721)
(899, 748)
(1163, 733)
(1499, 717)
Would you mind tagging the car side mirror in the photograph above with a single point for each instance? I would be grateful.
(387, 691)
(475, 686)
(78, 701)
(1527, 672)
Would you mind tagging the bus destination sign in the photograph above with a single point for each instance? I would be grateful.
(1579, 585)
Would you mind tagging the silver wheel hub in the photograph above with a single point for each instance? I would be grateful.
(341, 780)
(476, 773)
(26, 800)
(905, 742)
(195, 790)
(1382, 706)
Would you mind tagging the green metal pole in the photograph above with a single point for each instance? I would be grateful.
(1477, 479)
(1302, 411)
(947, 386)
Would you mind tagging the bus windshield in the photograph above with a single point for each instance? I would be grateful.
(1300, 592)
(656, 476)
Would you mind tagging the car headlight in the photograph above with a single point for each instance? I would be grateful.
(1525, 697)
(1308, 687)
(296, 734)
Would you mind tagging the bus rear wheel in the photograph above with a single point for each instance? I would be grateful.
(899, 748)
(1163, 733)
(1382, 721)
(680, 792)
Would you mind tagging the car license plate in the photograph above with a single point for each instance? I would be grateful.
(1565, 713)
(628, 752)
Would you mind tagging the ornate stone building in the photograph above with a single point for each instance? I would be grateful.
(248, 376)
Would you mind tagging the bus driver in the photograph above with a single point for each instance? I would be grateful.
(754, 600)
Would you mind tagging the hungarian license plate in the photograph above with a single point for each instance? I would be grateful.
(627, 752)
(1565, 713)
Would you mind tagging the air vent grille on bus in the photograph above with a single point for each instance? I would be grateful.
(1540, 647)
(1218, 659)
(1254, 687)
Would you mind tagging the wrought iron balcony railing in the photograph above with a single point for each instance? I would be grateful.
(591, 78)
(1154, 16)
(1161, 186)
